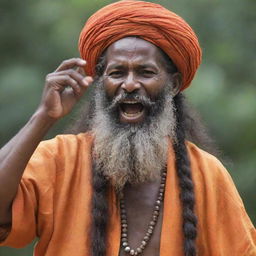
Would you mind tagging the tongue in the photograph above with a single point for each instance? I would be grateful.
(132, 108)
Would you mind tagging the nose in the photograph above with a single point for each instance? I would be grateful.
(130, 84)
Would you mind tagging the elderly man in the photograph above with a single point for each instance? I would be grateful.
(127, 182)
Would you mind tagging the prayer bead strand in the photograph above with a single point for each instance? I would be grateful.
(152, 223)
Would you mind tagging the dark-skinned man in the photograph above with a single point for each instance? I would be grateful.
(127, 181)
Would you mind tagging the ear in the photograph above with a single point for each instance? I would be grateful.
(176, 83)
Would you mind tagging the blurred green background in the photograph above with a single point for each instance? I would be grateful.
(37, 35)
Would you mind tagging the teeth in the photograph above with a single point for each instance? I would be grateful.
(133, 114)
(130, 102)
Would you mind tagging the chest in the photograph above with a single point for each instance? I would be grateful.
(141, 221)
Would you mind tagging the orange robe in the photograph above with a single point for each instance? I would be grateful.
(53, 203)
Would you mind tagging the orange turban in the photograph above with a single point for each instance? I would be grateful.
(149, 21)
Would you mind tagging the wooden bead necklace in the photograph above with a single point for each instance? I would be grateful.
(152, 223)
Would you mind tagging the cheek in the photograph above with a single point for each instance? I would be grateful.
(110, 87)
(155, 87)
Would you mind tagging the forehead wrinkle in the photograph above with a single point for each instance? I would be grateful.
(134, 51)
(131, 45)
(139, 63)
(127, 43)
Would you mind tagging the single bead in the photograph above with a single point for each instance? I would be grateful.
(143, 242)
(158, 202)
(124, 230)
(136, 253)
(157, 207)
(124, 239)
(125, 244)
(132, 252)
(151, 227)
(152, 223)
(124, 235)
(146, 238)
(139, 250)
(155, 217)
(127, 249)
(161, 190)
(150, 231)
(156, 212)
(124, 225)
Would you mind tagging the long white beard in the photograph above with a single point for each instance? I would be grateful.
(132, 154)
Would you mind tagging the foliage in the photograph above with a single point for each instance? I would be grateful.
(37, 35)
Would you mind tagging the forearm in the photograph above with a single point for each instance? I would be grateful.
(56, 102)
(14, 157)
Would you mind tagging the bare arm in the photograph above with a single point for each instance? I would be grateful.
(57, 101)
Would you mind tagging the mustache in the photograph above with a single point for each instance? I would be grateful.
(124, 96)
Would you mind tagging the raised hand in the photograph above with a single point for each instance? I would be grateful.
(63, 88)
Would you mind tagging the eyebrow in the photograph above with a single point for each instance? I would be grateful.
(121, 66)
(115, 66)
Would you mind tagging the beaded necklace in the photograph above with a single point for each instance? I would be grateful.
(152, 223)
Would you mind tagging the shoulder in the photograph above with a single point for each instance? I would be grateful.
(58, 155)
(201, 156)
(204, 162)
(210, 175)
(65, 142)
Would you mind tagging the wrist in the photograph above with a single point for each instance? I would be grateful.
(43, 119)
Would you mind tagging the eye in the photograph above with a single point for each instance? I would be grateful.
(116, 74)
(148, 73)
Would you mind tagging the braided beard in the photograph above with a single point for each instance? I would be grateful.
(132, 153)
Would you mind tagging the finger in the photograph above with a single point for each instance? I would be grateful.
(88, 80)
(80, 70)
(63, 81)
(72, 73)
(75, 75)
(71, 63)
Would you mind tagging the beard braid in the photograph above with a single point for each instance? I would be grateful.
(132, 153)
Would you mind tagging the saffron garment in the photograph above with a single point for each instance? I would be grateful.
(53, 203)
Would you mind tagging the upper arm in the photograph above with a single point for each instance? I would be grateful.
(33, 201)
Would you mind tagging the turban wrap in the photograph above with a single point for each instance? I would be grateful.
(149, 21)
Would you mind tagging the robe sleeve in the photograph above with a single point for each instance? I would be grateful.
(32, 208)
(224, 226)
(236, 233)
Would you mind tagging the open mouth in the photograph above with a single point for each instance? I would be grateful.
(131, 111)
